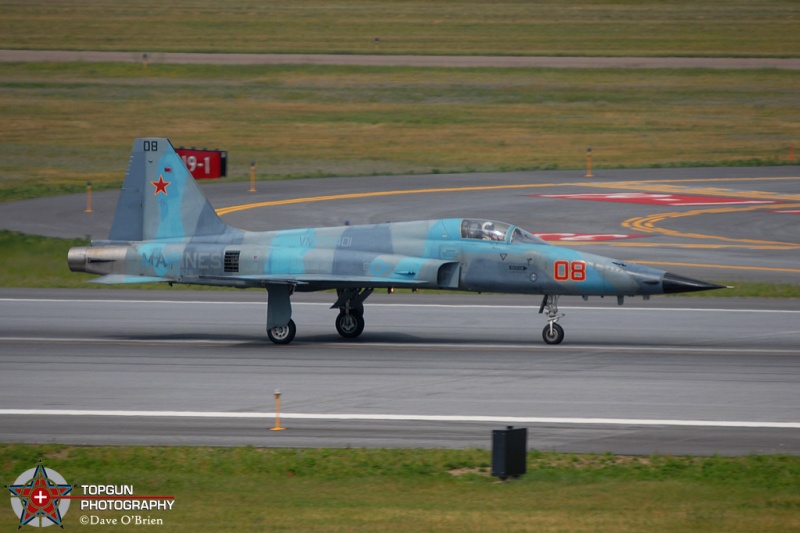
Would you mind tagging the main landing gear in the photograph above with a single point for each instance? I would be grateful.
(350, 321)
(282, 334)
(552, 332)
(280, 326)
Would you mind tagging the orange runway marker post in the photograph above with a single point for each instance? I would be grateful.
(88, 197)
(253, 176)
(589, 163)
(277, 412)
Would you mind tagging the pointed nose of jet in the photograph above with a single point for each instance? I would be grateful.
(672, 284)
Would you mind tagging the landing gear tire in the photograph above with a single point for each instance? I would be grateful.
(350, 325)
(553, 334)
(282, 334)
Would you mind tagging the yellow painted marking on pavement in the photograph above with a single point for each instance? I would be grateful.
(706, 180)
(644, 224)
(289, 201)
(662, 186)
(698, 246)
(723, 267)
(648, 224)
(640, 185)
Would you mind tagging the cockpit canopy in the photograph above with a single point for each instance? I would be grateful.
(491, 230)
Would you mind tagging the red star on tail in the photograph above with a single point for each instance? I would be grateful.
(160, 185)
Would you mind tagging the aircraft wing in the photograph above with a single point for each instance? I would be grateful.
(310, 280)
(317, 280)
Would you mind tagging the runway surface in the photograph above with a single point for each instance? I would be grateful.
(673, 375)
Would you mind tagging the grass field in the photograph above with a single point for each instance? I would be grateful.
(505, 27)
(65, 124)
(247, 489)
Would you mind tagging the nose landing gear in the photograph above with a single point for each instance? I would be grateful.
(552, 332)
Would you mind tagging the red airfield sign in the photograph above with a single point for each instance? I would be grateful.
(204, 164)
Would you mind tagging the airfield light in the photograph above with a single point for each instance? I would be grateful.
(253, 176)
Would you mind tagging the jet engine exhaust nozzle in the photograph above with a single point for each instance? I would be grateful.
(76, 258)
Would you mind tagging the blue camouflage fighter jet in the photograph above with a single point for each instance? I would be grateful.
(165, 230)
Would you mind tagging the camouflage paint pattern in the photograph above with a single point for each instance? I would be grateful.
(164, 229)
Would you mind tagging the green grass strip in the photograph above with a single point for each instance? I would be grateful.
(504, 27)
(333, 490)
(66, 124)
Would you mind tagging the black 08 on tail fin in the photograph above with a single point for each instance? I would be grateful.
(160, 199)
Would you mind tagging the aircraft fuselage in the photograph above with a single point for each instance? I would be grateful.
(428, 254)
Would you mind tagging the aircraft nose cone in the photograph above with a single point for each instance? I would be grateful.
(673, 283)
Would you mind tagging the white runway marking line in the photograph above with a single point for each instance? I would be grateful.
(407, 418)
(451, 306)
(405, 345)
(115, 340)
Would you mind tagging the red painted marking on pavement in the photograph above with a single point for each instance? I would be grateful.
(654, 199)
(589, 237)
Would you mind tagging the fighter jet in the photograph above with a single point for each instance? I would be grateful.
(165, 230)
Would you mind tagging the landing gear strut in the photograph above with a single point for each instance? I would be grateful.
(350, 322)
(552, 332)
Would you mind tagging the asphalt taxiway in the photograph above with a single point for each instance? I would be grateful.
(672, 375)
(729, 224)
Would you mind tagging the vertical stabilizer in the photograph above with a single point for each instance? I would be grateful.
(160, 199)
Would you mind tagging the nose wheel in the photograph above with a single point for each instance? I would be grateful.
(552, 332)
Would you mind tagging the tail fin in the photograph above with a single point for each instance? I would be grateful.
(160, 199)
